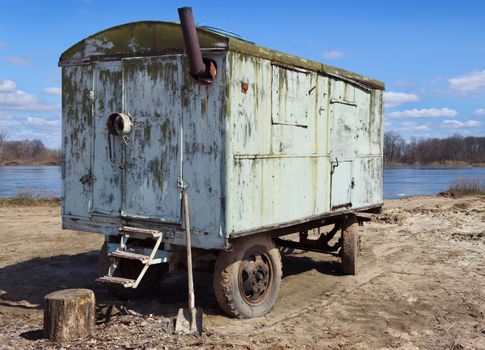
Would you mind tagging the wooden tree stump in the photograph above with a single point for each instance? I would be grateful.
(69, 314)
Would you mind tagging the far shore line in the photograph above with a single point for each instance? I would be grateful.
(387, 165)
(40, 163)
(435, 165)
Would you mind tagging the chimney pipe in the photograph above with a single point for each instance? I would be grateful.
(202, 69)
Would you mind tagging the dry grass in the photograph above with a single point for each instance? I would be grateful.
(466, 186)
(29, 197)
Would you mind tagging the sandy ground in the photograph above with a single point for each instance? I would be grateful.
(421, 286)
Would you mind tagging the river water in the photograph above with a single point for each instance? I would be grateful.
(398, 182)
(45, 180)
(401, 182)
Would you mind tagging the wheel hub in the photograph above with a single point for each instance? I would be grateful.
(255, 277)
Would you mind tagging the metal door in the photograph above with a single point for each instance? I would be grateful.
(152, 97)
(107, 155)
(342, 146)
(77, 131)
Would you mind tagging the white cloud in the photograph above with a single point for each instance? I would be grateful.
(419, 127)
(17, 60)
(437, 80)
(455, 124)
(52, 90)
(423, 113)
(393, 99)
(403, 83)
(7, 85)
(45, 128)
(12, 99)
(479, 112)
(34, 121)
(334, 54)
(7, 121)
(51, 137)
(413, 126)
(468, 83)
(15, 103)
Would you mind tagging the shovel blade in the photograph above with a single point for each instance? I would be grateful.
(183, 322)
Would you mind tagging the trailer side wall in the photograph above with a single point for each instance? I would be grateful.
(300, 144)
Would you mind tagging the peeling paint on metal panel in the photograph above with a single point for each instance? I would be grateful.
(152, 97)
(107, 156)
(203, 162)
(77, 142)
(292, 177)
(290, 160)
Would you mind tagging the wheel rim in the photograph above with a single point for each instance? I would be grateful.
(256, 277)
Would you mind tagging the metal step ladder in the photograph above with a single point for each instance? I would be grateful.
(121, 252)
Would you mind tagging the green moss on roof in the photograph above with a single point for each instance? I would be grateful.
(154, 38)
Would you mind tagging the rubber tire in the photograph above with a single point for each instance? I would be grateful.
(226, 279)
(350, 246)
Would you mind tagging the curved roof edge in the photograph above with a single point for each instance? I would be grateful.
(138, 38)
(147, 38)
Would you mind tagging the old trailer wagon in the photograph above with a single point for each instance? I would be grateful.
(265, 144)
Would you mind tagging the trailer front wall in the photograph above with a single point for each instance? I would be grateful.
(179, 130)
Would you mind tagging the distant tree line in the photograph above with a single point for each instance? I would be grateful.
(26, 152)
(455, 149)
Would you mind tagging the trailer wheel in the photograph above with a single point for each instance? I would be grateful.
(247, 278)
(350, 245)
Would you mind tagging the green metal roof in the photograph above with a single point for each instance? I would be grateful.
(148, 38)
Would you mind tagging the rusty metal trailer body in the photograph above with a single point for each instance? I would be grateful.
(273, 142)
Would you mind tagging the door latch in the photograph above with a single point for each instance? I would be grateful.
(334, 165)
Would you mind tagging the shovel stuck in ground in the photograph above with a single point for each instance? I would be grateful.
(188, 321)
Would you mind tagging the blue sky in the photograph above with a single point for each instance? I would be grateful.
(430, 54)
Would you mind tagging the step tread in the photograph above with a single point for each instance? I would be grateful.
(129, 255)
(125, 282)
(140, 231)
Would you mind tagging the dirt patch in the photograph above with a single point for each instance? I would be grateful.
(422, 285)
